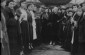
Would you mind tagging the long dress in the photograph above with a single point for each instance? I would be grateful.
(12, 30)
(25, 29)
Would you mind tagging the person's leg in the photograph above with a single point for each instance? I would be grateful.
(25, 40)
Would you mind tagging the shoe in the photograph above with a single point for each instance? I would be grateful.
(50, 42)
(53, 43)
(31, 46)
(21, 53)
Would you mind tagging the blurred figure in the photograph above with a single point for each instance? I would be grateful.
(68, 31)
(77, 29)
(4, 41)
(54, 25)
(75, 7)
(12, 28)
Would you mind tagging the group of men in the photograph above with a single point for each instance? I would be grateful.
(64, 26)
(23, 24)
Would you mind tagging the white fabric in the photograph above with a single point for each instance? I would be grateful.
(24, 14)
(34, 25)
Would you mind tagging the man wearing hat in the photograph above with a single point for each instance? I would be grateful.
(67, 30)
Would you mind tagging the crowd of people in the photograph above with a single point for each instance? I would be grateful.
(27, 25)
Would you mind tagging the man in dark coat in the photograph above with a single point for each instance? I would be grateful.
(77, 30)
(54, 30)
(68, 31)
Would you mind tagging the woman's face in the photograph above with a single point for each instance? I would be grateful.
(35, 8)
(30, 8)
(11, 4)
(59, 11)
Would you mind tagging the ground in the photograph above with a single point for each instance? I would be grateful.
(49, 50)
(55, 50)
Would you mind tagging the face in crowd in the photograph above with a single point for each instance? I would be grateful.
(70, 13)
(75, 8)
(55, 9)
(35, 9)
(79, 12)
(31, 7)
(11, 5)
(23, 5)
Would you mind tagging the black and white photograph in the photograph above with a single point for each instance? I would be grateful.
(42, 27)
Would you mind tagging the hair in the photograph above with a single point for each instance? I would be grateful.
(82, 4)
(21, 2)
(7, 3)
(28, 5)
(75, 5)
